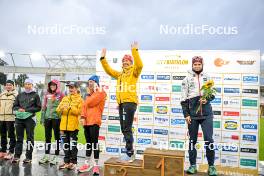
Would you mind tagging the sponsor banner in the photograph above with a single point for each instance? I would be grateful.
(113, 139)
(177, 144)
(112, 98)
(250, 114)
(162, 99)
(217, 102)
(217, 124)
(177, 111)
(230, 160)
(230, 136)
(249, 103)
(161, 120)
(147, 77)
(231, 102)
(217, 112)
(162, 109)
(160, 132)
(230, 113)
(163, 77)
(249, 138)
(217, 159)
(178, 77)
(230, 150)
(178, 122)
(179, 133)
(160, 143)
(248, 150)
(250, 79)
(249, 162)
(114, 129)
(176, 100)
(112, 150)
(232, 79)
(146, 98)
(162, 88)
(231, 91)
(249, 126)
(176, 88)
(145, 131)
(217, 136)
(217, 78)
(103, 128)
(145, 119)
(145, 109)
(144, 141)
(148, 88)
(231, 125)
(250, 91)
(199, 159)
(113, 108)
(114, 119)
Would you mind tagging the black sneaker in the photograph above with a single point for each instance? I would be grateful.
(25, 161)
(15, 160)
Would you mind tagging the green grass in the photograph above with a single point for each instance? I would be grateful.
(261, 140)
(40, 136)
(40, 132)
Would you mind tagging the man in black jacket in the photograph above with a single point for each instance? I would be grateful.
(191, 99)
(26, 105)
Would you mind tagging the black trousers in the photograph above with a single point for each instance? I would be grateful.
(207, 128)
(126, 114)
(49, 125)
(69, 139)
(91, 133)
(28, 125)
(7, 127)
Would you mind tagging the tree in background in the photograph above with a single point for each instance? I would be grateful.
(20, 81)
(3, 76)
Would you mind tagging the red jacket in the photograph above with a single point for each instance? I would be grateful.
(93, 108)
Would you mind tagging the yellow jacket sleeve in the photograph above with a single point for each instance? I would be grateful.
(76, 110)
(113, 73)
(138, 65)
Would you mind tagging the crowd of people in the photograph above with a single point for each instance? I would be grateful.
(63, 115)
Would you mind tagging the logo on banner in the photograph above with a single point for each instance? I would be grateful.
(249, 102)
(217, 113)
(113, 117)
(249, 137)
(160, 132)
(144, 130)
(176, 110)
(177, 121)
(113, 97)
(144, 141)
(248, 150)
(217, 124)
(250, 79)
(147, 77)
(231, 90)
(248, 62)
(146, 97)
(146, 109)
(250, 91)
(219, 62)
(162, 109)
(176, 88)
(112, 150)
(178, 78)
(162, 98)
(163, 77)
(161, 120)
(250, 126)
(231, 113)
(216, 101)
(230, 148)
(248, 162)
(231, 125)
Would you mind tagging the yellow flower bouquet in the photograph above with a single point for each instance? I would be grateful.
(208, 90)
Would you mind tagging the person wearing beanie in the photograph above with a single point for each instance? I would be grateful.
(70, 109)
(7, 120)
(26, 105)
(51, 120)
(126, 94)
(91, 116)
(190, 101)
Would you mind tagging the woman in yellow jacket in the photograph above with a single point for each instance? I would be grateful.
(70, 109)
(126, 94)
